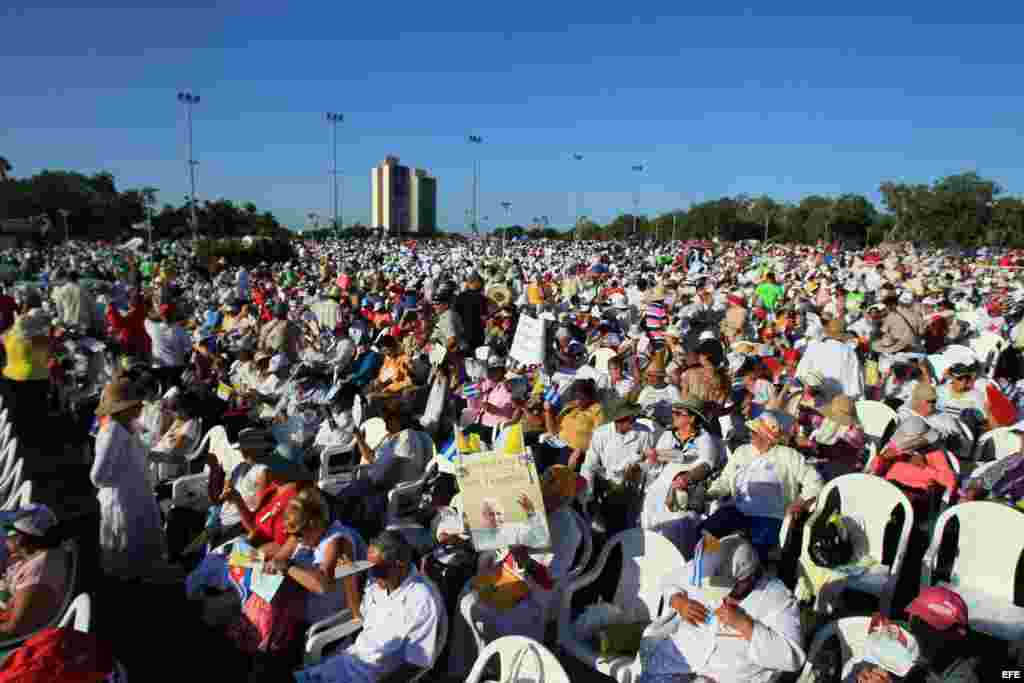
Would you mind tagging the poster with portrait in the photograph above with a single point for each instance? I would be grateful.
(501, 500)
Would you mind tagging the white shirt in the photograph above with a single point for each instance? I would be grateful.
(171, 344)
(660, 401)
(837, 362)
(610, 453)
(775, 645)
(398, 628)
(759, 491)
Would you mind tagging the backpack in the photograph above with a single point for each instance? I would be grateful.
(830, 544)
(59, 655)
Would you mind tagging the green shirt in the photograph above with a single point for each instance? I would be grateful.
(769, 293)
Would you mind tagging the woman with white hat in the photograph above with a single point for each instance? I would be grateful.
(33, 584)
(131, 531)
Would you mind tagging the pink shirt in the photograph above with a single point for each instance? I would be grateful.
(499, 397)
(46, 568)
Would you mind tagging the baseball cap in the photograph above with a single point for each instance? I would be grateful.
(35, 519)
(892, 648)
(940, 608)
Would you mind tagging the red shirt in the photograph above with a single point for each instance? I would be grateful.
(7, 308)
(270, 516)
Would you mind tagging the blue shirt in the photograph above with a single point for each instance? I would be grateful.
(366, 368)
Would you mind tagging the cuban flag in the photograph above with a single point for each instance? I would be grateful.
(470, 390)
(552, 396)
(449, 450)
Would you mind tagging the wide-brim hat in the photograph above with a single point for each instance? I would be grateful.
(254, 439)
(840, 410)
(622, 409)
(499, 294)
(118, 396)
(692, 405)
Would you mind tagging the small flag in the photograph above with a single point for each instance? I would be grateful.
(448, 450)
(511, 441)
(470, 390)
(538, 385)
(467, 443)
(551, 396)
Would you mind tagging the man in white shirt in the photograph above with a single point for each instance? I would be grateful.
(171, 343)
(402, 616)
(836, 361)
(732, 622)
(327, 310)
(75, 304)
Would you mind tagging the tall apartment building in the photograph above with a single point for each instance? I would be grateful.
(402, 200)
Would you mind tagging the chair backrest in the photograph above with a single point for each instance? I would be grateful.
(5, 435)
(1004, 440)
(871, 500)
(509, 649)
(80, 610)
(601, 358)
(852, 633)
(8, 456)
(20, 498)
(3, 417)
(586, 548)
(374, 431)
(986, 347)
(874, 417)
(12, 480)
(646, 555)
(981, 564)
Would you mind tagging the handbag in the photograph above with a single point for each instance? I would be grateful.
(830, 544)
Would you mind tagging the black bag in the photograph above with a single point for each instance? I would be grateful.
(450, 576)
(830, 544)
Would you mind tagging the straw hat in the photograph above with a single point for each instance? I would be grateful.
(840, 410)
(119, 395)
(500, 295)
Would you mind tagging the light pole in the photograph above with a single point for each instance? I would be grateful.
(476, 140)
(333, 119)
(314, 218)
(579, 202)
(64, 213)
(637, 168)
(190, 100)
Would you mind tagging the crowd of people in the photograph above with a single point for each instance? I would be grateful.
(703, 391)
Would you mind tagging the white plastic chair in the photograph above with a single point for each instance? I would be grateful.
(646, 556)
(318, 641)
(1005, 440)
(852, 633)
(12, 480)
(21, 497)
(970, 317)
(987, 346)
(190, 491)
(601, 358)
(509, 650)
(983, 572)
(874, 417)
(80, 610)
(5, 435)
(7, 457)
(375, 430)
(870, 500)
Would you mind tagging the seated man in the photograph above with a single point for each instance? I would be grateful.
(749, 634)
(401, 618)
(394, 376)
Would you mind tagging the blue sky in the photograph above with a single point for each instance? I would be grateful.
(715, 98)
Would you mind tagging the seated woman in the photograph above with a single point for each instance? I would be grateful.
(837, 439)
(915, 462)
(168, 454)
(34, 582)
(478, 622)
(574, 425)
(264, 528)
(310, 592)
(396, 459)
(680, 464)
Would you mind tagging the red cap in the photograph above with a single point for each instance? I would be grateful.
(790, 355)
(940, 608)
(760, 314)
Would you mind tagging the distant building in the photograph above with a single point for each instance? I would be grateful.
(402, 201)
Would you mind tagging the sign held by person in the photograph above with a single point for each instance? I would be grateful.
(502, 500)
(528, 342)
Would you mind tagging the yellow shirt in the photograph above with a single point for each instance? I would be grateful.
(25, 361)
(577, 426)
(534, 295)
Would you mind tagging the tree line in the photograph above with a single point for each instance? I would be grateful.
(97, 209)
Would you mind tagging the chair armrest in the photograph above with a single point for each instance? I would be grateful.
(330, 622)
(928, 562)
(315, 644)
(190, 490)
(566, 634)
